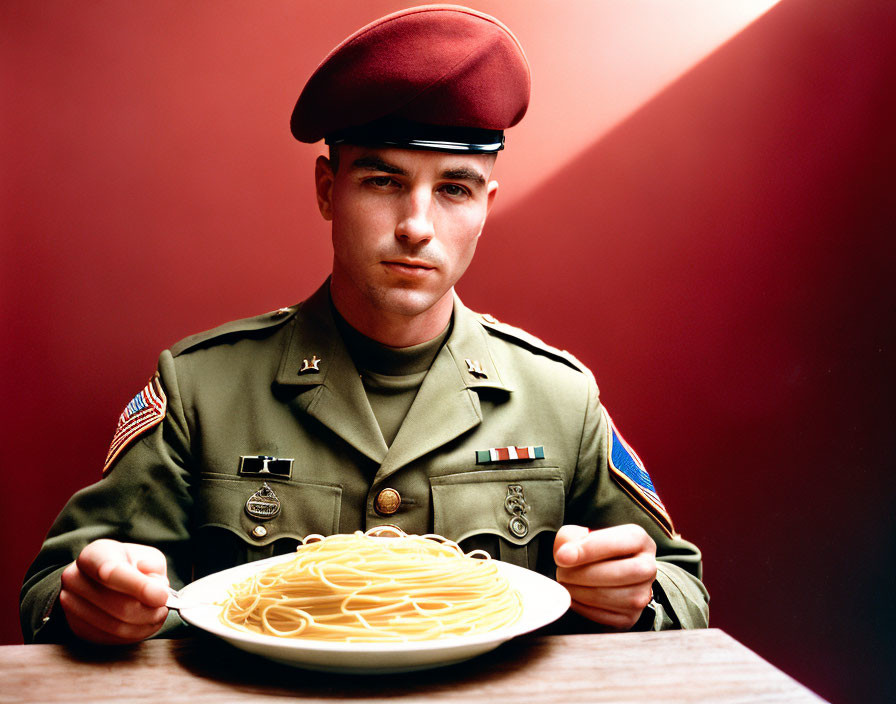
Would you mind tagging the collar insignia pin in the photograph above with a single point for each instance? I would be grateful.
(475, 368)
(313, 366)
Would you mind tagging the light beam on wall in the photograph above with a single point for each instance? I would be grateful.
(595, 62)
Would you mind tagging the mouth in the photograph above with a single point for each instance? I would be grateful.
(409, 267)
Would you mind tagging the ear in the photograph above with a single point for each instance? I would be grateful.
(491, 195)
(323, 183)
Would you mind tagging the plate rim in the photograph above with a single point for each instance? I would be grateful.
(531, 619)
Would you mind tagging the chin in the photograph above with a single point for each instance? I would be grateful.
(407, 302)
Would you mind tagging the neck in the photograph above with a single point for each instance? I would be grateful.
(393, 328)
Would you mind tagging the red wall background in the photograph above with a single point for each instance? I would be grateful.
(721, 259)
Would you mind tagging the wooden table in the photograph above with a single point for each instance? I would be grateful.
(678, 666)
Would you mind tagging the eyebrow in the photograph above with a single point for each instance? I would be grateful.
(372, 163)
(464, 174)
(461, 173)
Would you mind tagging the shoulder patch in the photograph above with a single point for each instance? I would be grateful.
(146, 410)
(528, 340)
(235, 327)
(629, 472)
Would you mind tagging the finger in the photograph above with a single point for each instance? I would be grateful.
(124, 577)
(624, 600)
(623, 572)
(605, 544)
(117, 605)
(89, 632)
(107, 562)
(147, 559)
(98, 552)
(91, 623)
(620, 622)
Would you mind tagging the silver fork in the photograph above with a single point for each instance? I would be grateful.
(176, 600)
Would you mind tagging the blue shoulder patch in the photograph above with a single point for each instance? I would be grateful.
(629, 471)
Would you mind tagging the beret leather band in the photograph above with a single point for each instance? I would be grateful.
(413, 135)
(439, 77)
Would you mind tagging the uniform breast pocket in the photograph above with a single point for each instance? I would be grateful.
(240, 520)
(513, 514)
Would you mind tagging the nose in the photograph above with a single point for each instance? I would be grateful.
(415, 225)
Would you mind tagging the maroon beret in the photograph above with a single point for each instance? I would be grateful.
(438, 77)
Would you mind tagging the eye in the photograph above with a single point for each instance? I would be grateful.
(381, 181)
(454, 190)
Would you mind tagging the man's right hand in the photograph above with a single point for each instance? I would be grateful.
(115, 592)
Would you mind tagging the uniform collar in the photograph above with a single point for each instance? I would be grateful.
(315, 349)
(468, 346)
(317, 364)
(334, 394)
(315, 335)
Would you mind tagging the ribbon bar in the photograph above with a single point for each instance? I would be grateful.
(504, 454)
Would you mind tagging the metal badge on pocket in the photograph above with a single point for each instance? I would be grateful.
(263, 504)
(515, 504)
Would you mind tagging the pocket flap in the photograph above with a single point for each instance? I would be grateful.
(494, 501)
(304, 508)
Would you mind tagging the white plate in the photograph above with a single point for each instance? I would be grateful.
(543, 599)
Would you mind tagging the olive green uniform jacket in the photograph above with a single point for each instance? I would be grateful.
(240, 391)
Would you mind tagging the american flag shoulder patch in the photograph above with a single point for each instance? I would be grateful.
(629, 472)
(146, 410)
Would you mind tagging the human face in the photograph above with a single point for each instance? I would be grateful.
(405, 227)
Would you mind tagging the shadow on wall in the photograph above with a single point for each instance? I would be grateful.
(723, 263)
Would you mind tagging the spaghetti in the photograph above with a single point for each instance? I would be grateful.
(369, 587)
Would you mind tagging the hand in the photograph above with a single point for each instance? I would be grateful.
(115, 592)
(609, 573)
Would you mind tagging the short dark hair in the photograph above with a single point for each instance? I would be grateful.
(334, 157)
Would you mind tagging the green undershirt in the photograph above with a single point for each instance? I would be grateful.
(391, 375)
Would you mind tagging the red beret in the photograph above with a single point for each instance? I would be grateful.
(431, 77)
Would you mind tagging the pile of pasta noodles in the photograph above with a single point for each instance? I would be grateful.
(370, 587)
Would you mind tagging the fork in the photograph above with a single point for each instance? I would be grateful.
(176, 600)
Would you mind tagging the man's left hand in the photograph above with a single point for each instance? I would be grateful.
(609, 572)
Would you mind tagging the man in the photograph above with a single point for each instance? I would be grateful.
(381, 399)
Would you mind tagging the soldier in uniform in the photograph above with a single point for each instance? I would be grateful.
(381, 399)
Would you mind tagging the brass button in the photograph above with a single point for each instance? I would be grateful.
(519, 526)
(387, 502)
(259, 531)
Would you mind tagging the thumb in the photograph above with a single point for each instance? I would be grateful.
(566, 550)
